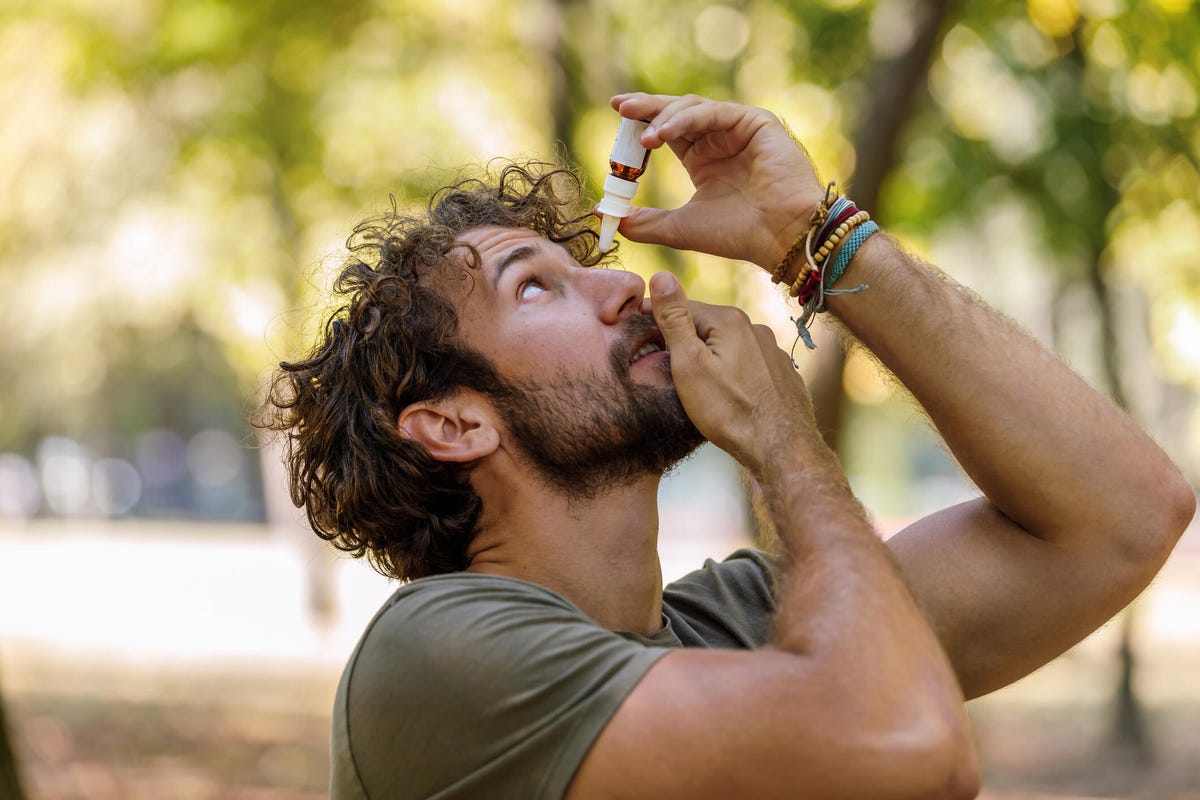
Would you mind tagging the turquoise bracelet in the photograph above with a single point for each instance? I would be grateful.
(855, 241)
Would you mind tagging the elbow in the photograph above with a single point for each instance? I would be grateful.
(931, 756)
(963, 778)
(1167, 515)
(1151, 522)
(952, 764)
(1183, 505)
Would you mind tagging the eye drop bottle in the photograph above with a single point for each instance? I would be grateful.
(626, 164)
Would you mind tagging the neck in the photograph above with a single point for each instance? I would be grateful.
(601, 554)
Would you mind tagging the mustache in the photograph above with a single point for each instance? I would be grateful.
(633, 331)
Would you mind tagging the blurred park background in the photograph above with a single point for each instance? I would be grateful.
(177, 180)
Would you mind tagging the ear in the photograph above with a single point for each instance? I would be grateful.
(457, 428)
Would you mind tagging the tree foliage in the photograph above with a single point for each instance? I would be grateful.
(179, 175)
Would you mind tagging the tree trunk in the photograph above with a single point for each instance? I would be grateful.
(1129, 734)
(10, 779)
(895, 86)
(1129, 720)
(579, 76)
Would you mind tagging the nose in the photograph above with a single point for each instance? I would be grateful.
(616, 292)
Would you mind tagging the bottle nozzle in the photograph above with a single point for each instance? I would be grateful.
(608, 230)
(614, 206)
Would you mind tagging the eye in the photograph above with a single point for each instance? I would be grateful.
(530, 288)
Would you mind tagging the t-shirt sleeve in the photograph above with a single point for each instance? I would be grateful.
(728, 604)
(482, 687)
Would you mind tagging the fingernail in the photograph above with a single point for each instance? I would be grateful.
(663, 283)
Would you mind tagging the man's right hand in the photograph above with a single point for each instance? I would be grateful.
(734, 382)
(755, 185)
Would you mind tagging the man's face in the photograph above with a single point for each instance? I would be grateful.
(590, 400)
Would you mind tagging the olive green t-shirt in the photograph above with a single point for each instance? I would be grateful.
(478, 686)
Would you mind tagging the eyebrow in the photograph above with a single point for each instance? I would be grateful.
(520, 254)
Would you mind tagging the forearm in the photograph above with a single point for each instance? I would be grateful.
(1048, 451)
(843, 603)
(1055, 459)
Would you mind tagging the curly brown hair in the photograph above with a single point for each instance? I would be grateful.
(368, 489)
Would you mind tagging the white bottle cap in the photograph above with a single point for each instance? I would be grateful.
(614, 206)
(617, 194)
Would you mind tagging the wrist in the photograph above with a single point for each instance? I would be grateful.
(811, 230)
(785, 253)
(879, 263)
(789, 450)
(809, 500)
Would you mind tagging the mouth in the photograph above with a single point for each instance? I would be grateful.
(650, 342)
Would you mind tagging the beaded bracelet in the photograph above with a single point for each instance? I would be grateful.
(816, 221)
(839, 233)
(842, 209)
(812, 290)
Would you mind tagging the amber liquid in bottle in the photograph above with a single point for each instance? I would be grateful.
(626, 172)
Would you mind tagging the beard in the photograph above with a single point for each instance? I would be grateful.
(588, 433)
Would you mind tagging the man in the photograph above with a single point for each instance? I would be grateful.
(491, 414)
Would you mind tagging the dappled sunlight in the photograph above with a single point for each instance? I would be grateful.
(986, 101)
(177, 183)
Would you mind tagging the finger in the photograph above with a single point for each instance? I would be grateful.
(709, 319)
(616, 100)
(652, 226)
(765, 337)
(673, 314)
(769, 344)
(658, 109)
(693, 121)
(699, 311)
(666, 117)
(640, 105)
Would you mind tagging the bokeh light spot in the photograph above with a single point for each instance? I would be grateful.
(116, 486)
(19, 494)
(1053, 17)
(721, 32)
(214, 457)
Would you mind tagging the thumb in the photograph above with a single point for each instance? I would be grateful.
(673, 314)
(651, 226)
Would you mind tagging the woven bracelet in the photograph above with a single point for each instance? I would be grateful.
(860, 235)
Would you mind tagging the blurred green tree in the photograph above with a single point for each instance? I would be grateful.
(173, 175)
(1081, 118)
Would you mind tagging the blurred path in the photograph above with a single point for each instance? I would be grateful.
(155, 598)
(134, 609)
(186, 611)
(138, 607)
(203, 632)
(163, 596)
